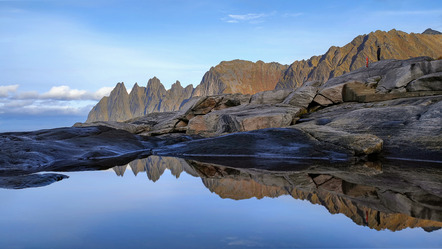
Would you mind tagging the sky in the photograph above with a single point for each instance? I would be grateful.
(59, 57)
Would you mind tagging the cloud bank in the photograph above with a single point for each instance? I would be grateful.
(59, 100)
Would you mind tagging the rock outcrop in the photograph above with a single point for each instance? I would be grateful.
(340, 60)
(431, 32)
(239, 76)
(398, 101)
(63, 148)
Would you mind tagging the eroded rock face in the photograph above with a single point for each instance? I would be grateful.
(239, 76)
(340, 60)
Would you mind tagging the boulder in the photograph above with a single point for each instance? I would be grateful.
(400, 77)
(270, 97)
(333, 93)
(321, 100)
(243, 118)
(429, 82)
(303, 96)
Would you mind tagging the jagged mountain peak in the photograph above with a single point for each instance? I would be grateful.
(394, 44)
(431, 32)
(119, 87)
(177, 84)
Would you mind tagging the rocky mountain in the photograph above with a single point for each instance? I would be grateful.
(121, 106)
(337, 61)
(240, 76)
(236, 76)
(431, 32)
(247, 77)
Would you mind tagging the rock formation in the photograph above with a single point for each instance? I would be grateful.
(247, 77)
(239, 76)
(236, 76)
(431, 32)
(340, 60)
(121, 106)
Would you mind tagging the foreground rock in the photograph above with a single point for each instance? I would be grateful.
(62, 148)
(409, 127)
(30, 181)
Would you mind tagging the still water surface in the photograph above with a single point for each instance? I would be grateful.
(167, 204)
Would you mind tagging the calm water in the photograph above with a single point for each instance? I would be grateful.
(167, 204)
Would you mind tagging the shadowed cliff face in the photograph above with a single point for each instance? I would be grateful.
(374, 195)
(340, 60)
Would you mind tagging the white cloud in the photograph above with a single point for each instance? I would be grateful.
(6, 90)
(104, 91)
(247, 17)
(66, 93)
(61, 100)
(250, 18)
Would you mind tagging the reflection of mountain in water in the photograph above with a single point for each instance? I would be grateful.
(387, 197)
(154, 166)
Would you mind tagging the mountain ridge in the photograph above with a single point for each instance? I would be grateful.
(246, 77)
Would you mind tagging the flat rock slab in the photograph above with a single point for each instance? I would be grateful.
(266, 143)
(62, 148)
(30, 181)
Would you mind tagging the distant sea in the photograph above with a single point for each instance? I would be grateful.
(15, 122)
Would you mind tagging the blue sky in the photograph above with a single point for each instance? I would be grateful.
(60, 57)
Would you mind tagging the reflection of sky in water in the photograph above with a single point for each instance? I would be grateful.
(101, 210)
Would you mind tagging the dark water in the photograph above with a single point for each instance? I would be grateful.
(162, 202)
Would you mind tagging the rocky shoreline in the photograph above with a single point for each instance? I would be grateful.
(392, 109)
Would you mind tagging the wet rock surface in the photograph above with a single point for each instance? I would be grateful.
(30, 181)
(56, 149)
